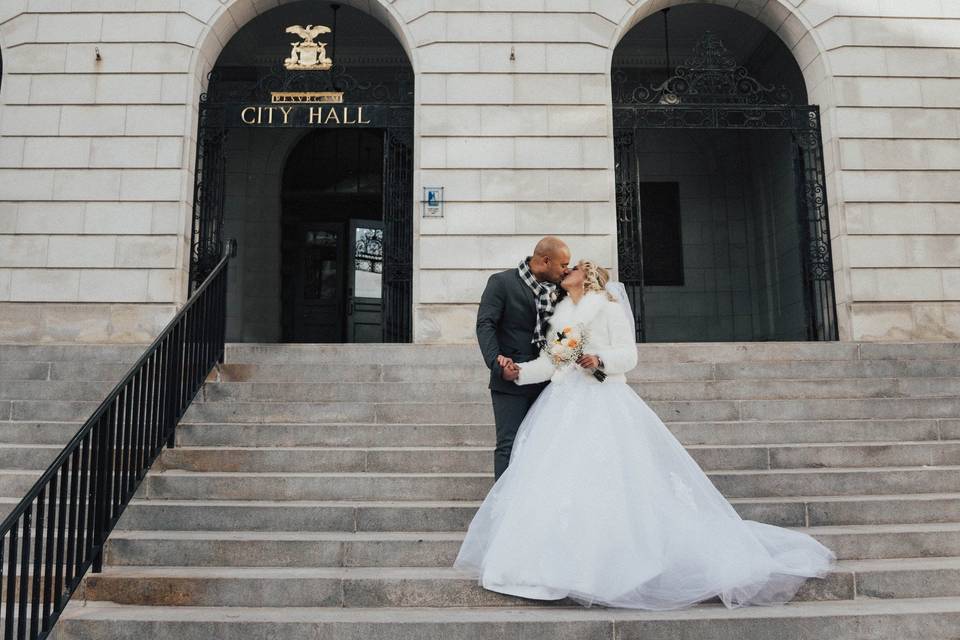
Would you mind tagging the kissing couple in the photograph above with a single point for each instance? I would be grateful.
(595, 499)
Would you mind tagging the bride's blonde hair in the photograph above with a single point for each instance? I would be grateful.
(595, 278)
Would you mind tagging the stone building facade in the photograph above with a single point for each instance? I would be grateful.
(513, 117)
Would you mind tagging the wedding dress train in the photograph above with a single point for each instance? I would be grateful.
(602, 504)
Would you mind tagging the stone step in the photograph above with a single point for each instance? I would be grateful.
(813, 431)
(412, 515)
(111, 353)
(95, 371)
(876, 619)
(33, 432)
(439, 549)
(481, 412)
(186, 485)
(23, 371)
(363, 435)
(58, 371)
(367, 587)
(361, 392)
(352, 354)
(58, 390)
(883, 541)
(333, 587)
(814, 369)
(744, 389)
(28, 456)
(455, 515)
(649, 352)
(467, 412)
(283, 548)
(330, 459)
(288, 515)
(482, 434)
(644, 371)
(469, 353)
(837, 481)
(479, 459)
(905, 508)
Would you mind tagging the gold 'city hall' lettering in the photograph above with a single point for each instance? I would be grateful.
(255, 115)
(334, 115)
(290, 115)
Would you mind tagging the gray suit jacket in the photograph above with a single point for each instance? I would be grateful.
(505, 324)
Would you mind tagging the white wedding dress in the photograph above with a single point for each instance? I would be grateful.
(602, 504)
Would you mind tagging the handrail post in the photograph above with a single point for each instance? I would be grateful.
(174, 377)
(222, 303)
(103, 485)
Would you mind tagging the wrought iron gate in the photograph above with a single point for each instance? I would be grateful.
(711, 91)
(397, 237)
(208, 196)
(388, 107)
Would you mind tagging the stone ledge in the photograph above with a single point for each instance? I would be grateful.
(82, 323)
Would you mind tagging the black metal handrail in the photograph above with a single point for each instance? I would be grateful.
(59, 529)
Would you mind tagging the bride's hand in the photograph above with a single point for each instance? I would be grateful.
(588, 361)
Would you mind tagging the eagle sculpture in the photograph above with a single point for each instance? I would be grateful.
(309, 33)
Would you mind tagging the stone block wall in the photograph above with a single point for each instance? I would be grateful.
(513, 118)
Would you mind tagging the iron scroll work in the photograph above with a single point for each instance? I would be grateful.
(710, 90)
(238, 101)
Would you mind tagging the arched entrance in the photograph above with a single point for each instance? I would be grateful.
(304, 155)
(722, 222)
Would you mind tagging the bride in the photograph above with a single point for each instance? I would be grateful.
(602, 504)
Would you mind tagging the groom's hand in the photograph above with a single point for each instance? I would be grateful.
(510, 373)
(504, 361)
(588, 361)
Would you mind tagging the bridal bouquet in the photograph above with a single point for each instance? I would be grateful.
(567, 346)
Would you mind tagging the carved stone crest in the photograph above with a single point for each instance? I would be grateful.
(308, 55)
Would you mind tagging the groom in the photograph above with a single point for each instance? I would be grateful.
(511, 326)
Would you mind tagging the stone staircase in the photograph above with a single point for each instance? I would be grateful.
(323, 491)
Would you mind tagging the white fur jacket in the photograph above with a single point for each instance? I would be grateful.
(608, 336)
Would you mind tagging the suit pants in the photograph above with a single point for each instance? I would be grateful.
(509, 410)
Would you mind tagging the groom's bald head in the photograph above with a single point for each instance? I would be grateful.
(550, 259)
(550, 246)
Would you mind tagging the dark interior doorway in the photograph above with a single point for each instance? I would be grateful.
(332, 238)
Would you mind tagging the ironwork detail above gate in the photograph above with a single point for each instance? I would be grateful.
(711, 75)
(396, 89)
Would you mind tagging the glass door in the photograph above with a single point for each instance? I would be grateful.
(365, 282)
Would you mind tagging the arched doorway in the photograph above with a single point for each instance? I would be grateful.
(721, 212)
(304, 155)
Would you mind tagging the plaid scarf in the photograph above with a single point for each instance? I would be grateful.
(546, 293)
